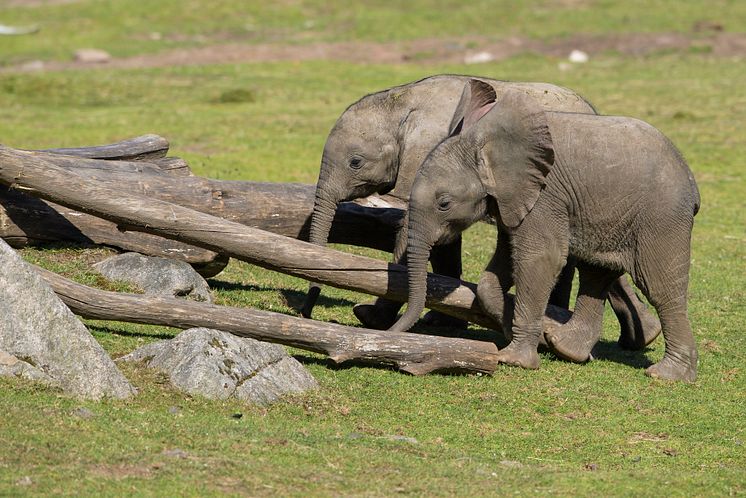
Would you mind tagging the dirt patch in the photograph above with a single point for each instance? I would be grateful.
(37, 3)
(713, 43)
(122, 471)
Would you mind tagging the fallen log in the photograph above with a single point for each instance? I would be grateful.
(26, 220)
(24, 171)
(282, 208)
(144, 147)
(413, 353)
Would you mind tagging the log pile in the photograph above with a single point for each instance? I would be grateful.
(137, 191)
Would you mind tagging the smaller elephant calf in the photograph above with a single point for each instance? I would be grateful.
(610, 192)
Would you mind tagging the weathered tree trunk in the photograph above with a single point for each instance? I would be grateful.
(311, 262)
(413, 353)
(277, 207)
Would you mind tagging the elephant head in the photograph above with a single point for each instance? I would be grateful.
(360, 158)
(494, 161)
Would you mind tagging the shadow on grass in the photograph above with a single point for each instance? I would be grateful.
(129, 333)
(610, 351)
(294, 299)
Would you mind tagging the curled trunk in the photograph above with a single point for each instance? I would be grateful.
(324, 207)
(417, 254)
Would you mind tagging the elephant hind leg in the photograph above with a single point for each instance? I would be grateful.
(664, 279)
(639, 327)
(574, 340)
(560, 295)
(680, 359)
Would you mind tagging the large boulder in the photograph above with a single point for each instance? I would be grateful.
(157, 276)
(40, 335)
(219, 365)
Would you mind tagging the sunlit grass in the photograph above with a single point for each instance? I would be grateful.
(600, 428)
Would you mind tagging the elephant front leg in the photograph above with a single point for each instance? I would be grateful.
(639, 327)
(535, 273)
(494, 284)
(574, 340)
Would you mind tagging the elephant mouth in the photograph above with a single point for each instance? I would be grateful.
(387, 188)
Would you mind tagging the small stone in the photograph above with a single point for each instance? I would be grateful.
(174, 410)
(590, 466)
(83, 413)
(403, 439)
(479, 58)
(91, 56)
(578, 57)
(175, 453)
(24, 481)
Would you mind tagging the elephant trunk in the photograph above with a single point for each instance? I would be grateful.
(418, 253)
(324, 208)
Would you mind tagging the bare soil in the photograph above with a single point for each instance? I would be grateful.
(709, 42)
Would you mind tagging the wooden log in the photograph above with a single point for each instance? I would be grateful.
(140, 148)
(301, 259)
(282, 208)
(413, 353)
(26, 220)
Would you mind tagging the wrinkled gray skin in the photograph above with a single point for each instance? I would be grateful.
(611, 192)
(378, 144)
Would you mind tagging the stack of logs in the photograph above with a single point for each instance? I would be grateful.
(132, 197)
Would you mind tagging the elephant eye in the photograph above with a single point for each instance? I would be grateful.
(356, 163)
(444, 203)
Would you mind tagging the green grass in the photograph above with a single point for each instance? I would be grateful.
(595, 429)
(127, 27)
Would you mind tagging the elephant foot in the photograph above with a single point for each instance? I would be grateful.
(573, 341)
(438, 319)
(638, 331)
(519, 356)
(376, 315)
(670, 368)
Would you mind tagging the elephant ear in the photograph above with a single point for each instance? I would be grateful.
(516, 155)
(477, 98)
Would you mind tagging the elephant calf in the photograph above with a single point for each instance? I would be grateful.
(377, 145)
(610, 192)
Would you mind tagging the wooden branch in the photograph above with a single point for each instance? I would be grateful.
(413, 353)
(26, 220)
(283, 208)
(38, 177)
(140, 148)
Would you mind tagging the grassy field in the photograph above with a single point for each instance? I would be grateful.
(595, 429)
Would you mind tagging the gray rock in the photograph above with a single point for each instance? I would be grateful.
(40, 331)
(12, 366)
(91, 56)
(156, 276)
(219, 365)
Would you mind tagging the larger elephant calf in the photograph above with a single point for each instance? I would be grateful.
(611, 192)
